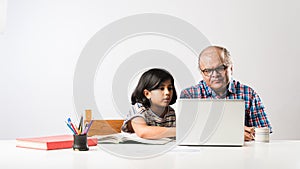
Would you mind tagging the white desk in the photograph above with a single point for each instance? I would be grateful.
(276, 154)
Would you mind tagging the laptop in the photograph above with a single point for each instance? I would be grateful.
(210, 122)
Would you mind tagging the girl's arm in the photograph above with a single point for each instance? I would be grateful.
(151, 132)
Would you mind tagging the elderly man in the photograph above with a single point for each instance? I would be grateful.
(216, 68)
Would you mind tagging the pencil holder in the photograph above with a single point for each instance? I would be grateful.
(80, 142)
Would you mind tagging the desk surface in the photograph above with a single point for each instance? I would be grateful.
(276, 154)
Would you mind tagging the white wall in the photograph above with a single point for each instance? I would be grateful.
(43, 40)
(2, 14)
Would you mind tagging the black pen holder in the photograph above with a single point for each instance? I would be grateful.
(80, 142)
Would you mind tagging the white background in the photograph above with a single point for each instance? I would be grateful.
(42, 41)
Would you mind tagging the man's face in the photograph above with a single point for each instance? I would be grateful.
(214, 72)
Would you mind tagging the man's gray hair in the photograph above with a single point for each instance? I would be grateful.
(225, 55)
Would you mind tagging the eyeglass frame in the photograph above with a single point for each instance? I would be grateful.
(217, 69)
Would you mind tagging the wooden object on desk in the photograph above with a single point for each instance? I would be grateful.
(88, 115)
(103, 127)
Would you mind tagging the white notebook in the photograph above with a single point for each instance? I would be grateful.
(127, 138)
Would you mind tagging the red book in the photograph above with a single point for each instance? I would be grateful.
(51, 142)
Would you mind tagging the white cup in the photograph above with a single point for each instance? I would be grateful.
(262, 134)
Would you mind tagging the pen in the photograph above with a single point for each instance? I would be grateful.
(85, 127)
(88, 127)
(80, 124)
(70, 122)
(253, 138)
(77, 131)
(70, 127)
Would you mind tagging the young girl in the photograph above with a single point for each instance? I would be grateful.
(150, 115)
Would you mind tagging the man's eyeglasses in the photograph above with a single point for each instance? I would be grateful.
(219, 69)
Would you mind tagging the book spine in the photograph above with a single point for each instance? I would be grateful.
(69, 144)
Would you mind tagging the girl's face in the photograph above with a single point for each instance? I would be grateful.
(162, 96)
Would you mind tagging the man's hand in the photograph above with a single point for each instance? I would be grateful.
(248, 133)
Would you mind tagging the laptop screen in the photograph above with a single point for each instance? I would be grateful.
(210, 122)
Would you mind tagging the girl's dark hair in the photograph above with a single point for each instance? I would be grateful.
(151, 80)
